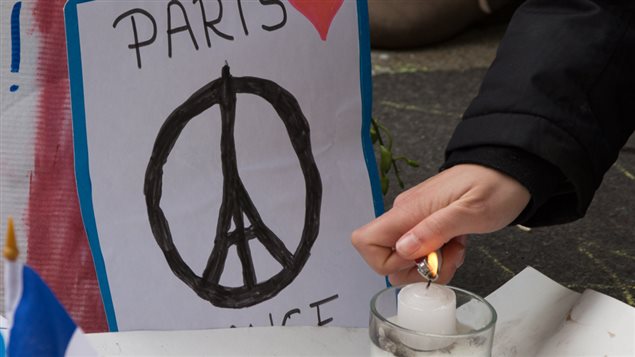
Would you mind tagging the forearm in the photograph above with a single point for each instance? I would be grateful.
(561, 94)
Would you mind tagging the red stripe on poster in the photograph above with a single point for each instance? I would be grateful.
(57, 243)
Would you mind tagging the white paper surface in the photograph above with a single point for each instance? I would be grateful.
(125, 107)
(536, 317)
(596, 325)
(530, 308)
(275, 341)
(539, 317)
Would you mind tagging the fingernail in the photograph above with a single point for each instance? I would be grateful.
(407, 245)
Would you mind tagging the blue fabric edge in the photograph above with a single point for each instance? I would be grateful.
(366, 86)
(49, 337)
(80, 149)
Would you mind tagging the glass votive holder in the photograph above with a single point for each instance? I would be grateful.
(475, 321)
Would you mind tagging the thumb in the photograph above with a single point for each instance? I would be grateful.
(435, 230)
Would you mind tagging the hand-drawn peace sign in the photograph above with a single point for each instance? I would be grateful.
(235, 199)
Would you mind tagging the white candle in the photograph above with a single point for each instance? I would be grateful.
(427, 309)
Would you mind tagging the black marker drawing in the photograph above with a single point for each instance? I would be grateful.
(236, 202)
(173, 7)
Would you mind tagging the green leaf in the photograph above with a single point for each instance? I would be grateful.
(386, 159)
(384, 184)
(382, 138)
(401, 185)
(373, 134)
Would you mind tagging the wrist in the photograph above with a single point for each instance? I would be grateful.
(540, 178)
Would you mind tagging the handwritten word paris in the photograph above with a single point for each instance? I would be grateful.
(179, 26)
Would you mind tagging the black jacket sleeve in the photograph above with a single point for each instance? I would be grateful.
(557, 104)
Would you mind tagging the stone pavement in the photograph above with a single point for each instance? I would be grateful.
(420, 96)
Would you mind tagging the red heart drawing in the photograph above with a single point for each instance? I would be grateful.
(319, 12)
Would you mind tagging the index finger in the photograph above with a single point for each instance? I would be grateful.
(376, 240)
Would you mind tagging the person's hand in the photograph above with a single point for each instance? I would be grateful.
(440, 211)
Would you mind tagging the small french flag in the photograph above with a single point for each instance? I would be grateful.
(39, 324)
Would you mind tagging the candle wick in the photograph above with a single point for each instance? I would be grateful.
(429, 282)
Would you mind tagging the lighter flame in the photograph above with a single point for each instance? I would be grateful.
(433, 263)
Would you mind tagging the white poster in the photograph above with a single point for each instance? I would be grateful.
(221, 155)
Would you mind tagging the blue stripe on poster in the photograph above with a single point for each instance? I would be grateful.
(82, 173)
(366, 85)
